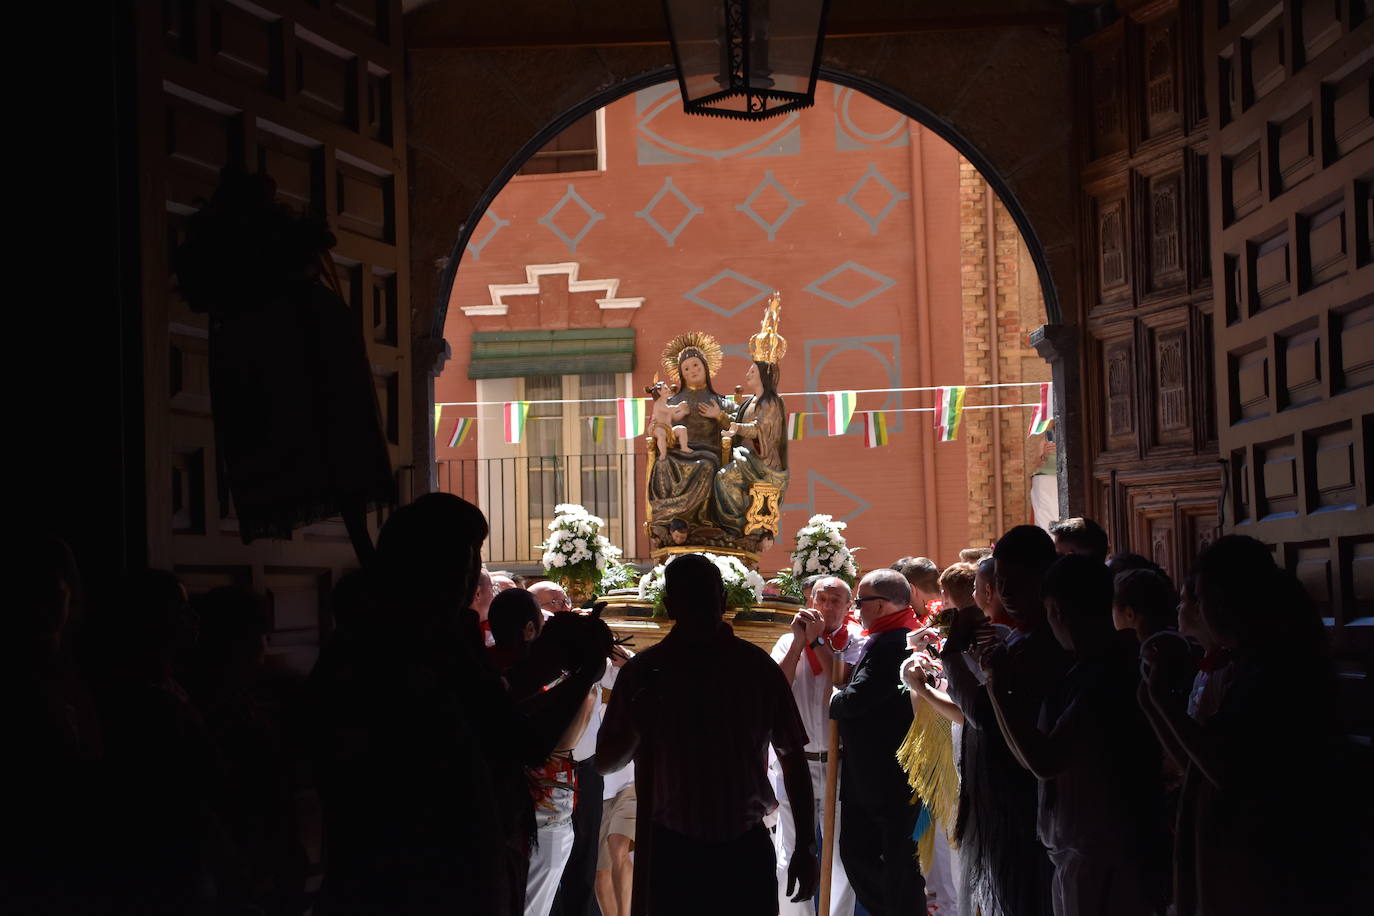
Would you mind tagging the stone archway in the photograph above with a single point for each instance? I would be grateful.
(990, 98)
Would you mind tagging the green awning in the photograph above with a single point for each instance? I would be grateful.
(516, 354)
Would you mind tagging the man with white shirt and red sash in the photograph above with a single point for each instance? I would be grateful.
(820, 634)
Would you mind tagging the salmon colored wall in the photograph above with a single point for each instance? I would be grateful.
(896, 276)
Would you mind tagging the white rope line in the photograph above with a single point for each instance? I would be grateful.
(783, 394)
(798, 413)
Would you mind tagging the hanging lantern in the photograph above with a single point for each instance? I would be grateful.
(746, 59)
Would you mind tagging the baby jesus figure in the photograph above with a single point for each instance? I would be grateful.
(665, 417)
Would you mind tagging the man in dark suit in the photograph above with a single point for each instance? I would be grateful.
(874, 712)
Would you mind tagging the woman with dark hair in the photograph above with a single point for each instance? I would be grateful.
(680, 482)
(762, 425)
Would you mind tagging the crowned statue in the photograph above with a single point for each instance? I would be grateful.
(718, 467)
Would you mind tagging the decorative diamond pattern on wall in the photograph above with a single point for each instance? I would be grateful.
(885, 351)
(844, 504)
(690, 211)
(769, 183)
(729, 278)
(476, 245)
(592, 217)
(850, 199)
(881, 283)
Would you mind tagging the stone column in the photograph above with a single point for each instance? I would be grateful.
(429, 355)
(1058, 345)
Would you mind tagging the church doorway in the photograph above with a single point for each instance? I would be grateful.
(626, 222)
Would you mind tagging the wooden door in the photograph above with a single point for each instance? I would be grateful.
(1147, 305)
(310, 93)
(1291, 169)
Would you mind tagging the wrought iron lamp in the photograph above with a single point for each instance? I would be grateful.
(746, 59)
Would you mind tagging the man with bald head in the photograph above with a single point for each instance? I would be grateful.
(807, 654)
(874, 713)
(551, 598)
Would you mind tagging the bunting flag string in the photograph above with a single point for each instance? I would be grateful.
(839, 410)
(1040, 420)
(515, 414)
(460, 431)
(597, 426)
(783, 394)
(796, 426)
(950, 412)
(629, 417)
(875, 428)
(438, 412)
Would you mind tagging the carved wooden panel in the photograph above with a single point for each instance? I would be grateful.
(1160, 59)
(1352, 341)
(1269, 272)
(326, 78)
(1148, 220)
(1311, 562)
(366, 200)
(1319, 25)
(1264, 56)
(1292, 150)
(1168, 382)
(1164, 230)
(1291, 244)
(1323, 250)
(1106, 77)
(246, 45)
(1349, 113)
(1111, 245)
(1118, 389)
(1276, 478)
(1170, 516)
(1298, 365)
(1331, 458)
(1244, 184)
(1248, 371)
(308, 93)
(296, 166)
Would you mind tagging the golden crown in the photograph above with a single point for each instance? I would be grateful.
(768, 346)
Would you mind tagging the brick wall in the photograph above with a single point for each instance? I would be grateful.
(1020, 309)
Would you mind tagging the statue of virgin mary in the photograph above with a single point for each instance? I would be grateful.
(682, 482)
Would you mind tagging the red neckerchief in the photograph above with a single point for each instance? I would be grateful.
(837, 639)
(1213, 659)
(904, 619)
(486, 626)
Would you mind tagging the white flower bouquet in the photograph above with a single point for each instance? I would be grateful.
(821, 550)
(743, 586)
(576, 552)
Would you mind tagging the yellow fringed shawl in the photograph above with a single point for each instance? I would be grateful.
(927, 756)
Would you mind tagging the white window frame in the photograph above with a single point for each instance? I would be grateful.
(491, 445)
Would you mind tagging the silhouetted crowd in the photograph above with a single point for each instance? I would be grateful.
(1122, 743)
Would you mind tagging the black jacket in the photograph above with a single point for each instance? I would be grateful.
(874, 712)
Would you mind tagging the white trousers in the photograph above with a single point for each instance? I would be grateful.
(547, 861)
(943, 876)
(1044, 499)
(785, 840)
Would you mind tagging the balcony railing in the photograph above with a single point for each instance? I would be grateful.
(518, 496)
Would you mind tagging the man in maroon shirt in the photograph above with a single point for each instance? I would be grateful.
(696, 713)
